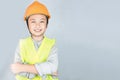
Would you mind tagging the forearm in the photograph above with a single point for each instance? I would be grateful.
(18, 68)
(29, 68)
(46, 68)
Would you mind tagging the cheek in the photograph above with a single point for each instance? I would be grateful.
(44, 26)
(31, 27)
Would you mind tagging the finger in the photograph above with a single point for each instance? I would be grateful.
(55, 73)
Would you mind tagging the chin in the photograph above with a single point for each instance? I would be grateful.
(39, 35)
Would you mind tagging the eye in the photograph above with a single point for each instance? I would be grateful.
(42, 21)
(32, 21)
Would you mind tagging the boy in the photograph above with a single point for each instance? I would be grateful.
(36, 56)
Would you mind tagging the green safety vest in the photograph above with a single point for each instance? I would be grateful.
(29, 55)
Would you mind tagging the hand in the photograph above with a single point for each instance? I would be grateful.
(16, 68)
(55, 74)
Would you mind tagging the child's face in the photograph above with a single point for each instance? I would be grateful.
(37, 25)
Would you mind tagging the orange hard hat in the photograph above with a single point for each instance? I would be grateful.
(36, 8)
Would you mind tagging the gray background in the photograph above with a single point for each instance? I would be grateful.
(87, 34)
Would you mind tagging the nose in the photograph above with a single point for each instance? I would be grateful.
(37, 25)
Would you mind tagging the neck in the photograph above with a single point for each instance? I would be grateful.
(37, 38)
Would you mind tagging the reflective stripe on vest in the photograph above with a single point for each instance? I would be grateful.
(29, 54)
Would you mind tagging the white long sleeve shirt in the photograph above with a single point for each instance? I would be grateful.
(48, 67)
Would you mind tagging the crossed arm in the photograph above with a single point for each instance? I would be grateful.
(18, 67)
(48, 67)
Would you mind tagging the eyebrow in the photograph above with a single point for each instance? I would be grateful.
(32, 19)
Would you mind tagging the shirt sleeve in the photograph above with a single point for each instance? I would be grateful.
(51, 65)
(17, 55)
